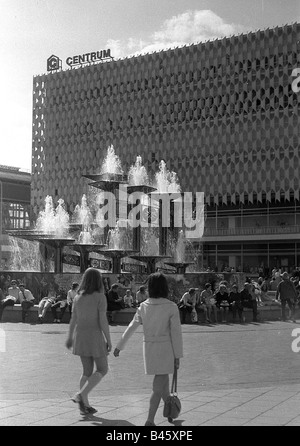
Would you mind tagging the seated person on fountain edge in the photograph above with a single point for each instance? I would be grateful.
(11, 299)
(46, 302)
(26, 299)
(60, 303)
(128, 299)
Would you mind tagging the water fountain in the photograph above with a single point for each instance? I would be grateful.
(178, 250)
(109, 179)
(83, 222)
(51, 230)
(166, 183)
(139, 184)
(111, 173)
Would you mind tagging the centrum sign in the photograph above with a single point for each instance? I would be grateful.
(88, 58)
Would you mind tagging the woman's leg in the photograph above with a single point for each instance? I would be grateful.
(206, 313)
(46, 306)
(160, 389)
(87, 370)
(89, 379)
(41, 307)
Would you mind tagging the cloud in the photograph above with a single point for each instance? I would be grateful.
(183, 29)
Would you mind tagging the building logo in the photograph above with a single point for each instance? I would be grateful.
(88, 58)
(53, 63)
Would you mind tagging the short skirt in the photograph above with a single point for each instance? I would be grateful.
(158, 358)
(89, 342)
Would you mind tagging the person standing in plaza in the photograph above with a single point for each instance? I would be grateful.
(11, 299)
(89, 335)
(114, 301)
(162, 346)
(71, 294)
(26, 300)
(287, 293)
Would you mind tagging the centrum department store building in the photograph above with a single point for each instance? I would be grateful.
(224, 116)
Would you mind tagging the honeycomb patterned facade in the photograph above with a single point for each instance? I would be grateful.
(222, 114)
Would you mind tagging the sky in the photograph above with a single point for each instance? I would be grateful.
(33, 30)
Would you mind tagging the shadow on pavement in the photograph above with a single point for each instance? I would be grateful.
(99, 421)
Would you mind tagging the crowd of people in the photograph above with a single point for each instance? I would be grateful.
(280, 289)
(217, 304)
(58, 301)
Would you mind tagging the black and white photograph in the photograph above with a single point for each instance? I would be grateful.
(150, 216)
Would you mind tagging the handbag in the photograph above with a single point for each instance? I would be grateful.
(172, 406)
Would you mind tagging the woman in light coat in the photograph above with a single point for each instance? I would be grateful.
(162, 346)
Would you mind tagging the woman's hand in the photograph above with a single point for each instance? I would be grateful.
(177, 363)
(116, 352)
(69, 342)
(108, 347)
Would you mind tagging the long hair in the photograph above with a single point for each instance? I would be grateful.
(158, 285)
(91, 281)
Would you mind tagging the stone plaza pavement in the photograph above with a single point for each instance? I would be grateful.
(231, 375)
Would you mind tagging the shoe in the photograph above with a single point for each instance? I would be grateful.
(55, 320)
(149, 423)
(91, 409)
(82, 407)
(58, 321)
(40, 320)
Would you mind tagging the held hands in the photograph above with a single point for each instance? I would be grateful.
(69, 342)
(116, 352)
